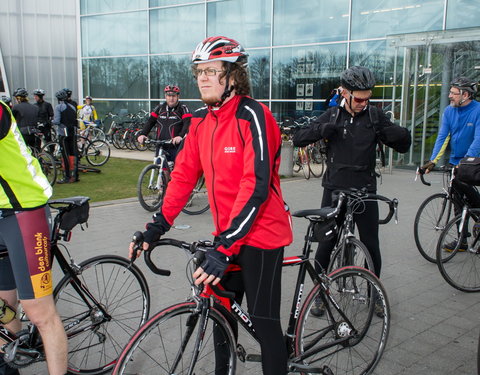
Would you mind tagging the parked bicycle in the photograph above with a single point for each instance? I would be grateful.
(46, 160)
(154, 178)
(458, 251)
(434, 213)
(197, 336)
(102, 301)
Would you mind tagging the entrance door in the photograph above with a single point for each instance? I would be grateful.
(428, 63)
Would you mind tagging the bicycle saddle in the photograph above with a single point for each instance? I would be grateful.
(317, 214)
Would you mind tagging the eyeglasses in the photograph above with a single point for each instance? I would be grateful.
(359, 100)
(454, 93)
(209, 72)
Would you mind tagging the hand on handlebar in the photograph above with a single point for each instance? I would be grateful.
(212, 269)
(427, 167)
(136, 246)
(141, 139)
(176, 140)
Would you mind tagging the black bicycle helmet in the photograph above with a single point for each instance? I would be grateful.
(464, 83)
(61, 95)
(39, 92)
(357, 78)
(68, 91)
(6, 99)
(20, 92)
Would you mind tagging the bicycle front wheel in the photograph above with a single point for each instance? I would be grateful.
(458, 252)
(98, 153)
(351, 344)
(431, 218)
(48, 165)
(151, 187)
(198, 202)
(173, 342)
(351, 252)
(96, 341)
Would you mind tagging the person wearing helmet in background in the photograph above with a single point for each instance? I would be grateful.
(235, 142)
(461, 128)
(65, 117)
(7, 100)
(87, 113)
(45, 114)
(351, 132)
(172, 119)
(69, 97)
(26, 115)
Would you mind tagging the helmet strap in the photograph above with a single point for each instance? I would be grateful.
(228, 89)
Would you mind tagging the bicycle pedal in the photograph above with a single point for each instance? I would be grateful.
(253, 358)
(241, 353)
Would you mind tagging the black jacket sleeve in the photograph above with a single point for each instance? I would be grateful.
(314, 131)
(152, 120)
(392, 135)
(186, 118)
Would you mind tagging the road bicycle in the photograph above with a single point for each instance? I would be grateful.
(458, 251)
(46, 160)
(102, 301)
(349, 250)
(434, 213)
(96, 152)
(153, 180)
(197, 336)
(92, 131)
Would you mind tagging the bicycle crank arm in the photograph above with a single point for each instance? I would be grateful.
(297, 367)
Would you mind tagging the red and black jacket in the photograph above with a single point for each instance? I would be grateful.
(237, 147)
(171, 122)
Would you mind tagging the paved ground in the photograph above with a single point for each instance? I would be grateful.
(434, 327)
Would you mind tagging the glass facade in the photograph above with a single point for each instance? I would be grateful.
(297, 51)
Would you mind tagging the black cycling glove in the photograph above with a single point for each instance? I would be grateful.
(156, 229)
(327, 130)
(428, 166)
(215, 263)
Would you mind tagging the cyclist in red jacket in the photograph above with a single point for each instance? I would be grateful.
(235, 142)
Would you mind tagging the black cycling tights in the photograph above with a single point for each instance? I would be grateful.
(367, 224)
(260, 279)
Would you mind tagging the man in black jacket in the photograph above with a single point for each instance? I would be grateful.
(26, 115)
(351, 132)
(45, 114)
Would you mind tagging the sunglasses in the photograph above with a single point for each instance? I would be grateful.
(359, 100)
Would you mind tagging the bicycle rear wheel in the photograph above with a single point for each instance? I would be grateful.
(458, 253)
(48, 165)
(198, 202)
(95, 342)
(431, 218)
(151, 187)
(356, 344)
(97, 153)
(166, 344)
(351, 252)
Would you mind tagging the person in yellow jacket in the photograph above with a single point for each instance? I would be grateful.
(25, 226)
(86, 113)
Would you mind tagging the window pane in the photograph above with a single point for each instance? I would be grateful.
(259, 67)
(160, 3)
(463, 13)
(177, 29)
(100, 34)
(307, 72)
(310, 21)
(124, 77)
(373, 18)
(233, 19)
(286, 112)
(104, 6)
(372, 55)
(172, 70)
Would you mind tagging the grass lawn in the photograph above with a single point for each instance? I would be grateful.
(117, 180)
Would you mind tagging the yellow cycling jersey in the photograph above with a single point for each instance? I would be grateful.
(22, 182)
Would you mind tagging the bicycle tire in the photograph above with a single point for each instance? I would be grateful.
(198, 202)
(305, 163)
(48, 165)
(55, 149)
(146, 352)
(431, 218)
(97, 153)
(317, 169)
(461, 267)
(297, 164)
(123, 291)
(361, 255)
(354, 289)
(151, 187)
(117, 139)
(97, 134)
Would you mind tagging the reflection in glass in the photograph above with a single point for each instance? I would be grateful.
(177, 29)
(462, 13)
(124, 77)
(116, 34)
(259, 68)
(310, 21)
(235, 20)
(160, 3)
(104, 6)
(286, 112)
(318, 66)
(172, 70)
(373, 18)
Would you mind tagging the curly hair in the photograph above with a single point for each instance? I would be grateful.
(240, 76)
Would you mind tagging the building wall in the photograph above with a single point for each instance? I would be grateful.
(38, 40)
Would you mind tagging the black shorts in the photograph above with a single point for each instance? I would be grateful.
(28, 266)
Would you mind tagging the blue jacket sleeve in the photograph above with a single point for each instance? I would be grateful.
(441, 139)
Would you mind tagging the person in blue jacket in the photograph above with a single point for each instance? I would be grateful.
(461, 129)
